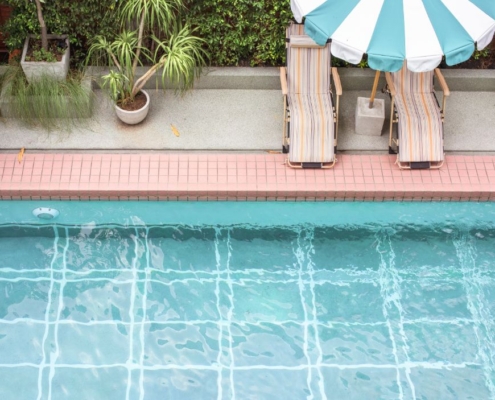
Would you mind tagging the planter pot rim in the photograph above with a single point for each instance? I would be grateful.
(136, 116)
(134, 111)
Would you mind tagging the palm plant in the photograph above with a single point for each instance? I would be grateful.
(176, 51)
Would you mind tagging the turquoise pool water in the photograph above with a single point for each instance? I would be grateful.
(247, 301)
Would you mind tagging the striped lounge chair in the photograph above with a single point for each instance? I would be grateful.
(310, 118)
(415, 109)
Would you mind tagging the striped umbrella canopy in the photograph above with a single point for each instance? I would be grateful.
(391, 31)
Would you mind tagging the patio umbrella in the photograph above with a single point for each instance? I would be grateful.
(390, 32)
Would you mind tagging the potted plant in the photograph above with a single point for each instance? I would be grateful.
(51, 58)
(160, 42)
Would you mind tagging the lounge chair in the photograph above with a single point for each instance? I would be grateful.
(310, 118)
(418, 142)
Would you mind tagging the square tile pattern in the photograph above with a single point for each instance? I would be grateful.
(239, 177)
(146, 329)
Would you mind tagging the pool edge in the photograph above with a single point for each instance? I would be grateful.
(238, 177)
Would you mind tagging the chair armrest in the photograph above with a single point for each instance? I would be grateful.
(443, 83)
(283, 80)
(336, 79)
(390, 83)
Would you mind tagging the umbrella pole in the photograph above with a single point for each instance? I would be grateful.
(375, 85)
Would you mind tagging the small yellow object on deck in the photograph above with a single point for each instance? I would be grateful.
(20, 155)
(175, 130)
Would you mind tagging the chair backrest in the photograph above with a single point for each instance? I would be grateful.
(308, 65)
(413, 82)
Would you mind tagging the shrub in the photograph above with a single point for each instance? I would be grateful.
(80, 19)
(242, 32)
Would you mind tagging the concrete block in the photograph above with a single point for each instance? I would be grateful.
(369, 121)
(35, 69)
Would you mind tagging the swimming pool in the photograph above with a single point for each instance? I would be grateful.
(247, 301)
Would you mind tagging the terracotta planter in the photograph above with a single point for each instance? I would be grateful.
(136, 116)
(35, 69)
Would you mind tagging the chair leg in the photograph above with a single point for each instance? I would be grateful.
(285, 144)
(392, 141)
(286, 129)
(312, 165)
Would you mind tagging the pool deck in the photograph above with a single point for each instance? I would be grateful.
(230, 131)
(199, 176)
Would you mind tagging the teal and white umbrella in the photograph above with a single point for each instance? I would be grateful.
(392, 31)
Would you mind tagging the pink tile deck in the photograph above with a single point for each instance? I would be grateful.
(239, 177)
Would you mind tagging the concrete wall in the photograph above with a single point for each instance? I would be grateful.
(267, 78)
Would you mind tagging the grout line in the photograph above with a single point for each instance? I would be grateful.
(143, 321)
(236, 281)
(130, 361)
(47, 316)
(467, 261)
(386, 297)
(299, 254)
(315, 319)
(263, 367)
(240, 281)
(397, 302)
(53, 359)
(327, 324)
(220, 322)
(229, 316)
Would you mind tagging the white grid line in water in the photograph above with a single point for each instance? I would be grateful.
(434, 275)
(241, 282)
(396, 281)
(54, 357)
(393, 296)
(224, 324)
(314, 320)
(396, 300)
(406, 365)
(229, 315)
(43, 363)
(130, 362)
(299, 254)
(143, 322)
(220, 321)
(354, 276)
(386, 300)
(475, 299)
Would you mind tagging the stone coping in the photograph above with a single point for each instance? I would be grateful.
(238, 177)
(268, 78)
